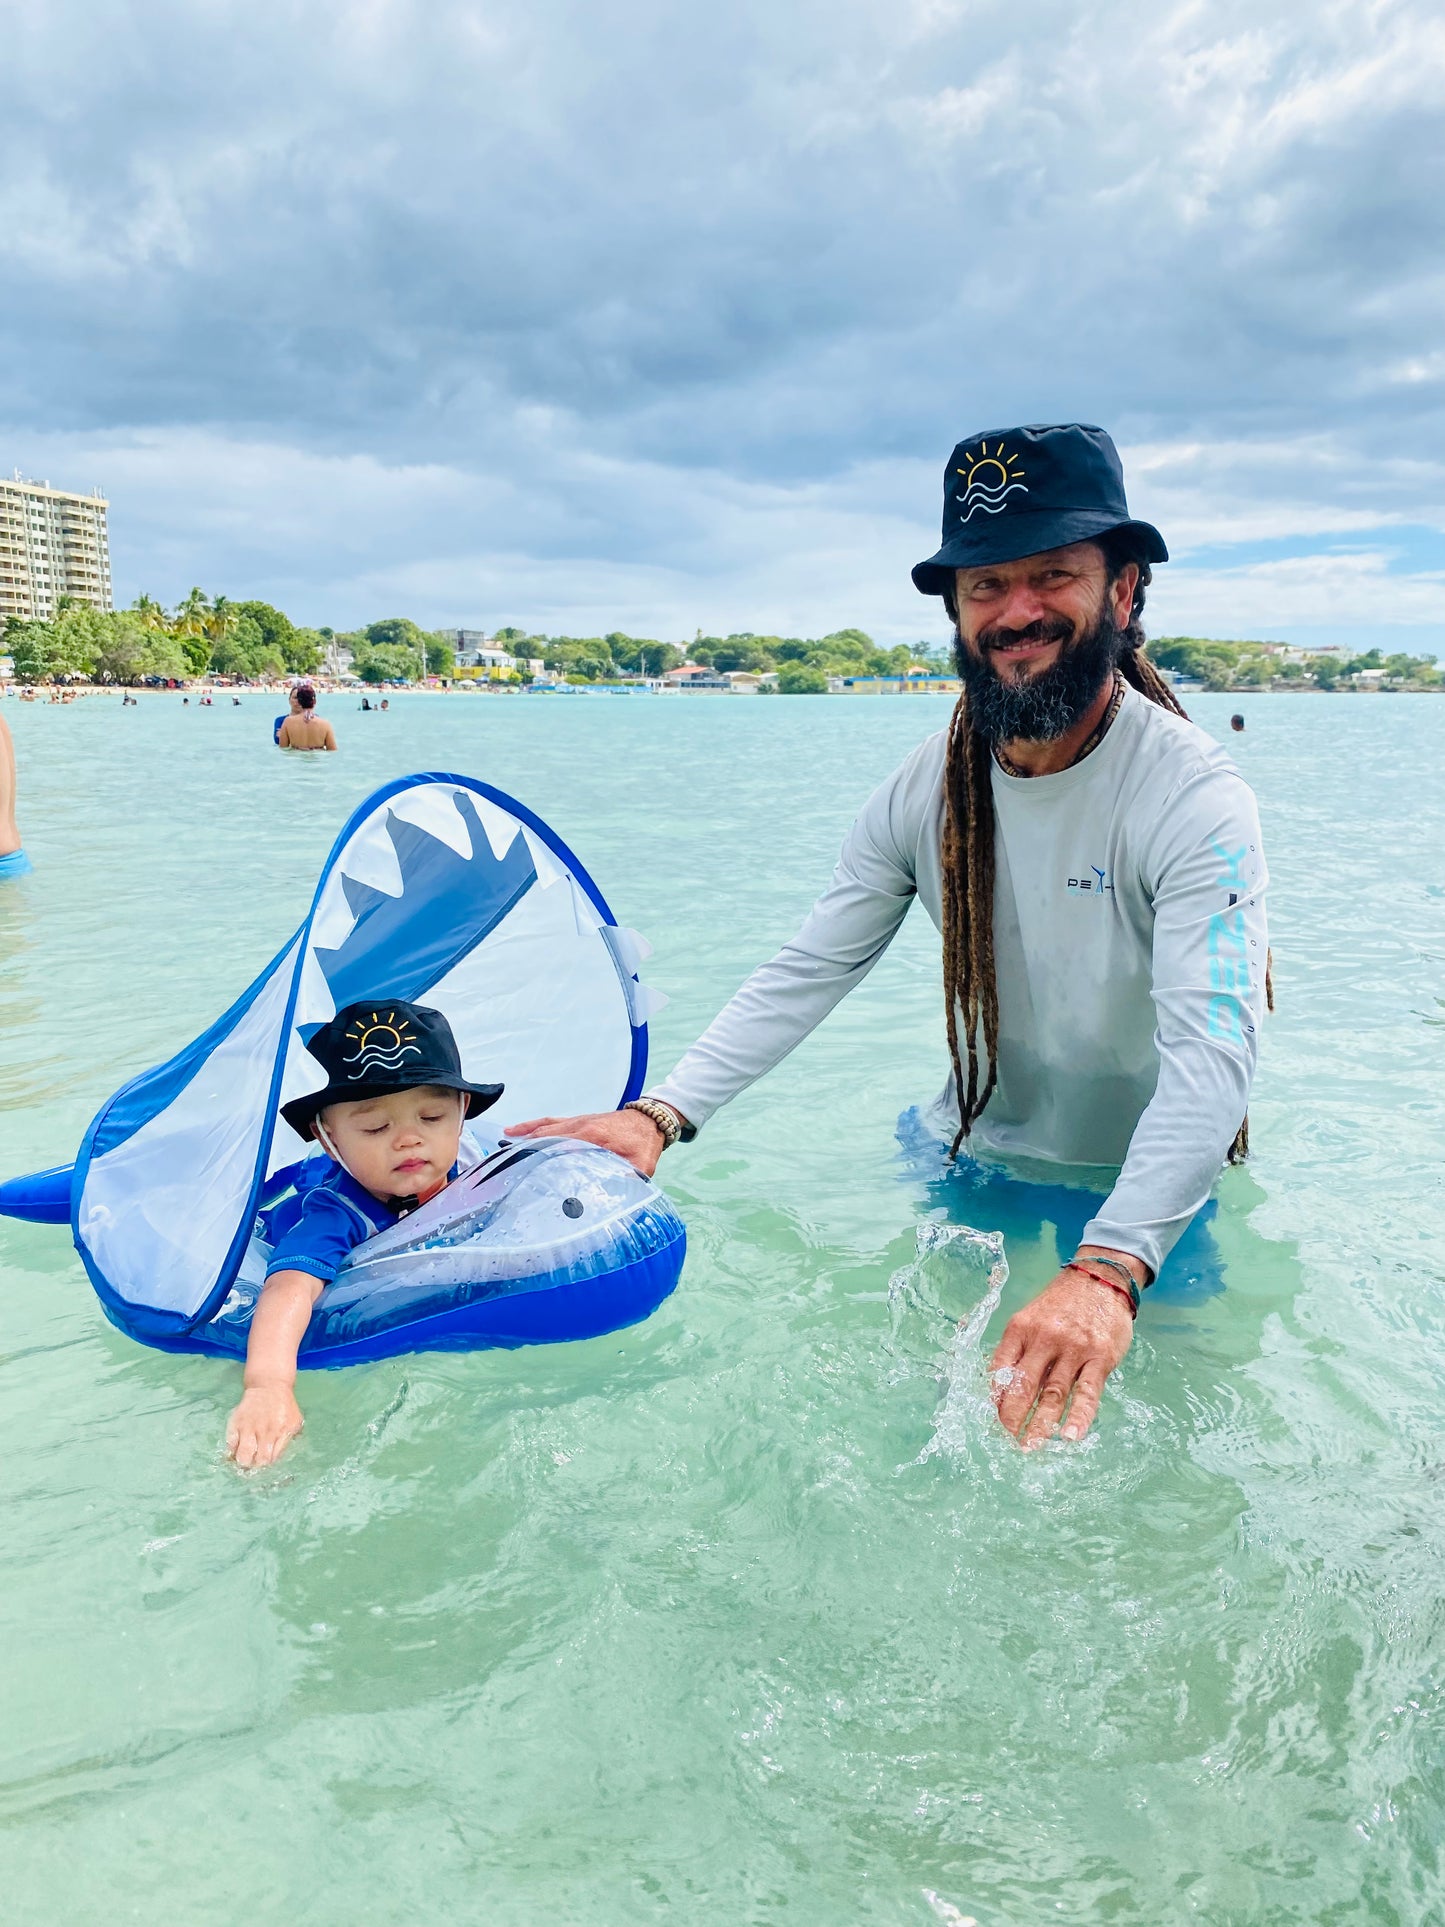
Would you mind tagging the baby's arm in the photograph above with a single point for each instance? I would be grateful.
(268, 1417)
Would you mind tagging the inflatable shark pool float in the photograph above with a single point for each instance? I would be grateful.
(439, 890)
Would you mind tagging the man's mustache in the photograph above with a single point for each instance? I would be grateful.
(1046, 629)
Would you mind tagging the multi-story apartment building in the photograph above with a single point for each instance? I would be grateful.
(52, 544)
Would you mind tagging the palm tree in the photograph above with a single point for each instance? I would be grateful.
(190, 617)
(222, 620)
(152, 615)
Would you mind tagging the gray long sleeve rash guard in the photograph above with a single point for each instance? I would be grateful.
(1129, 939)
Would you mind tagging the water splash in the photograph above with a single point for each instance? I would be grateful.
(946, 1910)
(947, 1265)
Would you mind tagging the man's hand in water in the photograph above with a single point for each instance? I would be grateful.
(631, 1134)
(1061, 1346)
(263, 1425)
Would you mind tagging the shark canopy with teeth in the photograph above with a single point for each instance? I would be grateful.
(439, 890)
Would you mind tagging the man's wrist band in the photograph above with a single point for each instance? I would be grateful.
(662, 1115)
(1129, 1292)
(1126, 1276)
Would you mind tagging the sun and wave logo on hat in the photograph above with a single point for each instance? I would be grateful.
(989, 481)
(380, 1045)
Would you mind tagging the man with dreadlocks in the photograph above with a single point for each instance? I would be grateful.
(1094, 866)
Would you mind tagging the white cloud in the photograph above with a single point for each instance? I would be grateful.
(1354, 590)
(444, 299)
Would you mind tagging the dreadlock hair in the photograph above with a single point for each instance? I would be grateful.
(970, 980)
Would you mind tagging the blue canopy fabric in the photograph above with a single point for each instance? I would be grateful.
(440, 890)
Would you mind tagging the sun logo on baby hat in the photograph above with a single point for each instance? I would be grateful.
(989, 480)
(380, 1044)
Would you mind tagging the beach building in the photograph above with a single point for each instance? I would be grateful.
(695, 675)
(915, 683)
(52, 544)
(475, 649)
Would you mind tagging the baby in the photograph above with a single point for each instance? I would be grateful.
(390, 1119)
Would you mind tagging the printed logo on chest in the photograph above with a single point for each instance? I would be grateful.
(1092, 882)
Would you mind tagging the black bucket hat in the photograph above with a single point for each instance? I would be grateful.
(377, 1046)
(1011, 492)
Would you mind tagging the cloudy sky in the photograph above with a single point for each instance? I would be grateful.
(663, 317)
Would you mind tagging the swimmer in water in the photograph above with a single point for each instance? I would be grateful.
(305, 729)
(391, 1142)
(293, 708)
(13, 860)
(1236, 723)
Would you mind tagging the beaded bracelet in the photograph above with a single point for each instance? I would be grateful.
(668, 1123)
(1129, 1294)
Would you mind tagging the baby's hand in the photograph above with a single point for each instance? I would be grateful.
(263, 1425)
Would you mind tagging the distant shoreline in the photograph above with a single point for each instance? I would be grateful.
(10, 690)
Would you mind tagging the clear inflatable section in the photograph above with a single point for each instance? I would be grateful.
(529, 1217)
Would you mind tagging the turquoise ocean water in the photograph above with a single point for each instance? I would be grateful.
(750, 1614)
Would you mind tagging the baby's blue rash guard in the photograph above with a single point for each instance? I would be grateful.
(318, 1225)
(319, 1222)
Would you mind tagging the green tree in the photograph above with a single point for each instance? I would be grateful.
(80, 633)
(130, 651)
(31, 646)
(741, 652)
(276, 629)
(1372, 659)
(801, 679)
(243, 650)
(579, 658)
(193, 614)
(301, 656)
(656, 658)
(441, 658)
(150, 612)
(1254, 672)
(1327, 671)
(388, 663)
(395, 632)
(222, 619)
(852, 648)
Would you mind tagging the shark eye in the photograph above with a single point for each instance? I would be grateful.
(572, 1207)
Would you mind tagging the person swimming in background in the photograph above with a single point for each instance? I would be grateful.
(13, 860)
(389, 1119)
(1236, 723)
(293, 708)
(305, 729)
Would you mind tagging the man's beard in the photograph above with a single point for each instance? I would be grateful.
(1041, 708)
